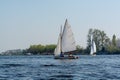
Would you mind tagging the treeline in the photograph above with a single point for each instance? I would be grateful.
(46, 49)
(41, 49)
(104, 45)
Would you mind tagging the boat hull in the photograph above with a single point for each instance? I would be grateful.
(66, 57)
(93, 55)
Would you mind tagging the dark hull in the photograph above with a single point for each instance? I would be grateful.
(66, 57)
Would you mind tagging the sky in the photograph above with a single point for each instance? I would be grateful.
(28, 22)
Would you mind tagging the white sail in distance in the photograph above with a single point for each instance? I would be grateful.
(92, 46)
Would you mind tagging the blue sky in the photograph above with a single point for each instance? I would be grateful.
(27, 22)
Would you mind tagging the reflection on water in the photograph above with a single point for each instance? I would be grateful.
(101, 67)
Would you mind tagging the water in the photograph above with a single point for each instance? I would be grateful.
(100, 67)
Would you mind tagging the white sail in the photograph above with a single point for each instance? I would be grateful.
(68, 41)
(93, 47)
(91, 50)
(57, 51)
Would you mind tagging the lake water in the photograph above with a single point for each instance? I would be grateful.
(100, 67)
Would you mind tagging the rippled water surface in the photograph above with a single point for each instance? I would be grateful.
(100, 67)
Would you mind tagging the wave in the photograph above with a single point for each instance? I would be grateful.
(49, 65)
(10, 65)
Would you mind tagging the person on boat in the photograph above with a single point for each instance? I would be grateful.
(70, 54)
(61, 55)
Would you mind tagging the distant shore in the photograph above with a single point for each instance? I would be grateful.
(24, 52)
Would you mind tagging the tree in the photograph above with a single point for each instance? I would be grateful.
(114, 40)
(35, 49)
(118, 43)
(114, 47)
(99, 37)
(40, 49)
(50, 48)
(79, 49)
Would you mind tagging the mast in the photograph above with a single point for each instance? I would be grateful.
(61, 39)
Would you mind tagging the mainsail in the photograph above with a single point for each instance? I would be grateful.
(66, 41)
(93, 46)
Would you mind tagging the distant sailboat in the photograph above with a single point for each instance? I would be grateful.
(66, 43)
(92, 47)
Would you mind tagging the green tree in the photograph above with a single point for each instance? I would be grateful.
(118, 43)
(41, 49)
(113, 48)
(100, 38)
(114, 40)
(79, 49)
(50, 48)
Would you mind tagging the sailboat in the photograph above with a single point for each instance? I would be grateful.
(65, 44)
(92, 47)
